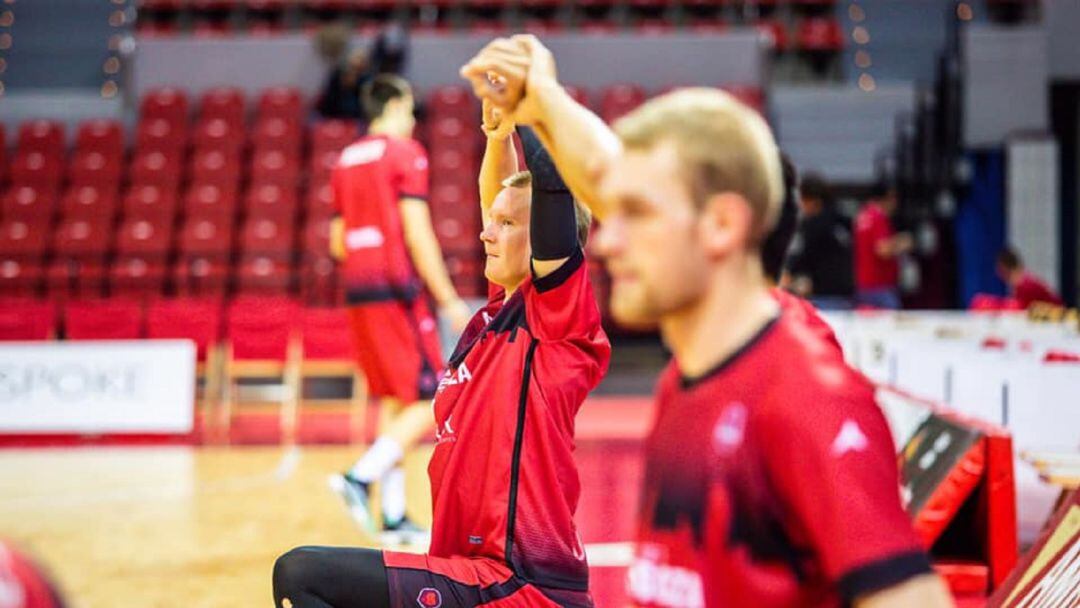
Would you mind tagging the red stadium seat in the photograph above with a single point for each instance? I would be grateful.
(161, 134)
(104, 136)
(136, 277)
(322, 337)
(215, 167)
(459, 229)
(751, 95)
(25, 240)
(18, 278)
(213, 5)
(206, 238)
(111, 319)
(259, 328)
(87, 239)
(148, 28)
(598, 28)
(277, 133)
(322, 164)
(819, 34)
(167, 103)
(259, 274)
(775, 34)
(320, 200)
(618, 100)
(452, 101)
(218, 134)
(708, 25)
(88, 202)
(223, 102)
(454, 133)
(272, 238)
(316, 238)
(44, 136)
(144, 238)
(200, 277)
(150, 201)
(90, 168)
(653, 26)
(579, 94)
(332, 135)
(156, 168)
(455, 194)
(275, 167)
(320, 283)
(196, 319)
(271, 201)
(285, 103)
(163, 5)
(29, 201)
(37, 169)
(67, 278)
(27, 319)
(210, 200)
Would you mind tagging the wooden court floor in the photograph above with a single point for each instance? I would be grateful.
(200, 527)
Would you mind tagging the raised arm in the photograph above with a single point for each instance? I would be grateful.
(500, 158)
(552, 218)
(579, 142)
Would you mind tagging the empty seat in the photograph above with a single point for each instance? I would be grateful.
(579, 94)
(316, 238)
(215, 167)
(44, 136)
(279, 134)
(259, 328)
(819, 34)
(452, 100)
(144, 238)
(37, 169)
(274, 167)
(320, 282)
(453, 133)
(322, 164)
(207, 238)
(200, 277)
(210, 200)
(218, 134)
(320, 200)
(285, 103)
(332, 135)
(156, 168)
(100, 135)
(85, 238)
(92, 168)
(161, 134)
(137, 277)
(110, 319)
(167, 103)
(271, 200)
(261, 274)
(268, 237)
(29, 201)
(775, 34)
(321, 335)
(68, 278)
(195, 319)
(226, 103)
(88, 202)
(150, 201)
(26, 240)
(27, 319)
(750, 95)
(18, 278)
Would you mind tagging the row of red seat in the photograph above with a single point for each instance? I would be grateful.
(253, 327)
(813, 34)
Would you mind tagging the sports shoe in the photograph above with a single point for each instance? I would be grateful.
(404, 532)
(356, 496)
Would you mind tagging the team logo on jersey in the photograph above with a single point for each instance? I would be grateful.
(850, 439)
(362, 153)
(652, 581)
(364, 237)
(730, 428)
(461, 375)
(429, 598)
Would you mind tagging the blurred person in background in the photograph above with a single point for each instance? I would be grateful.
(820, 262)
(352, 68)
(878, 248)
(1024, 286)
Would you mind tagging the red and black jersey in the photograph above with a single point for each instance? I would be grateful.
(771, 481)
(504, 484)
(370, 179)
(803, 311)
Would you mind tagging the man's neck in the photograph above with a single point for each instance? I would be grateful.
(381, 126)
(735, 306)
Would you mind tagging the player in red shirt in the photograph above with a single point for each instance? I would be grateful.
(389, 253)
(504, 484)
(1026, 288)
(771, 477)
(877, 248)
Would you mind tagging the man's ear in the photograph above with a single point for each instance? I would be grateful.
(725, 223)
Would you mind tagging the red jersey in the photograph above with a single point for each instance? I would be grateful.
(771, 481)
(1029, 290)
(370, 179)
(504, 484)
(872, 271)
(803, 311)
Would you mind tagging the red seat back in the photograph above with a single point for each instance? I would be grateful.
(112, 319)
(196, 319)
(26, 319)
(260, 327)
(323, 337)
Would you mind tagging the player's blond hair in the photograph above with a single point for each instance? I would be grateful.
(582, 215)
(723, 146)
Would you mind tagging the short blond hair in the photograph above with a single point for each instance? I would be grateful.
(582, 215)
(723, 146)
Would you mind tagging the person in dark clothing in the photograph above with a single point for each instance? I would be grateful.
(341, 95)
(820, 261)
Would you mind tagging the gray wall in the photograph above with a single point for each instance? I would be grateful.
(1063, 24)
(253, 64)
(1006, 89)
